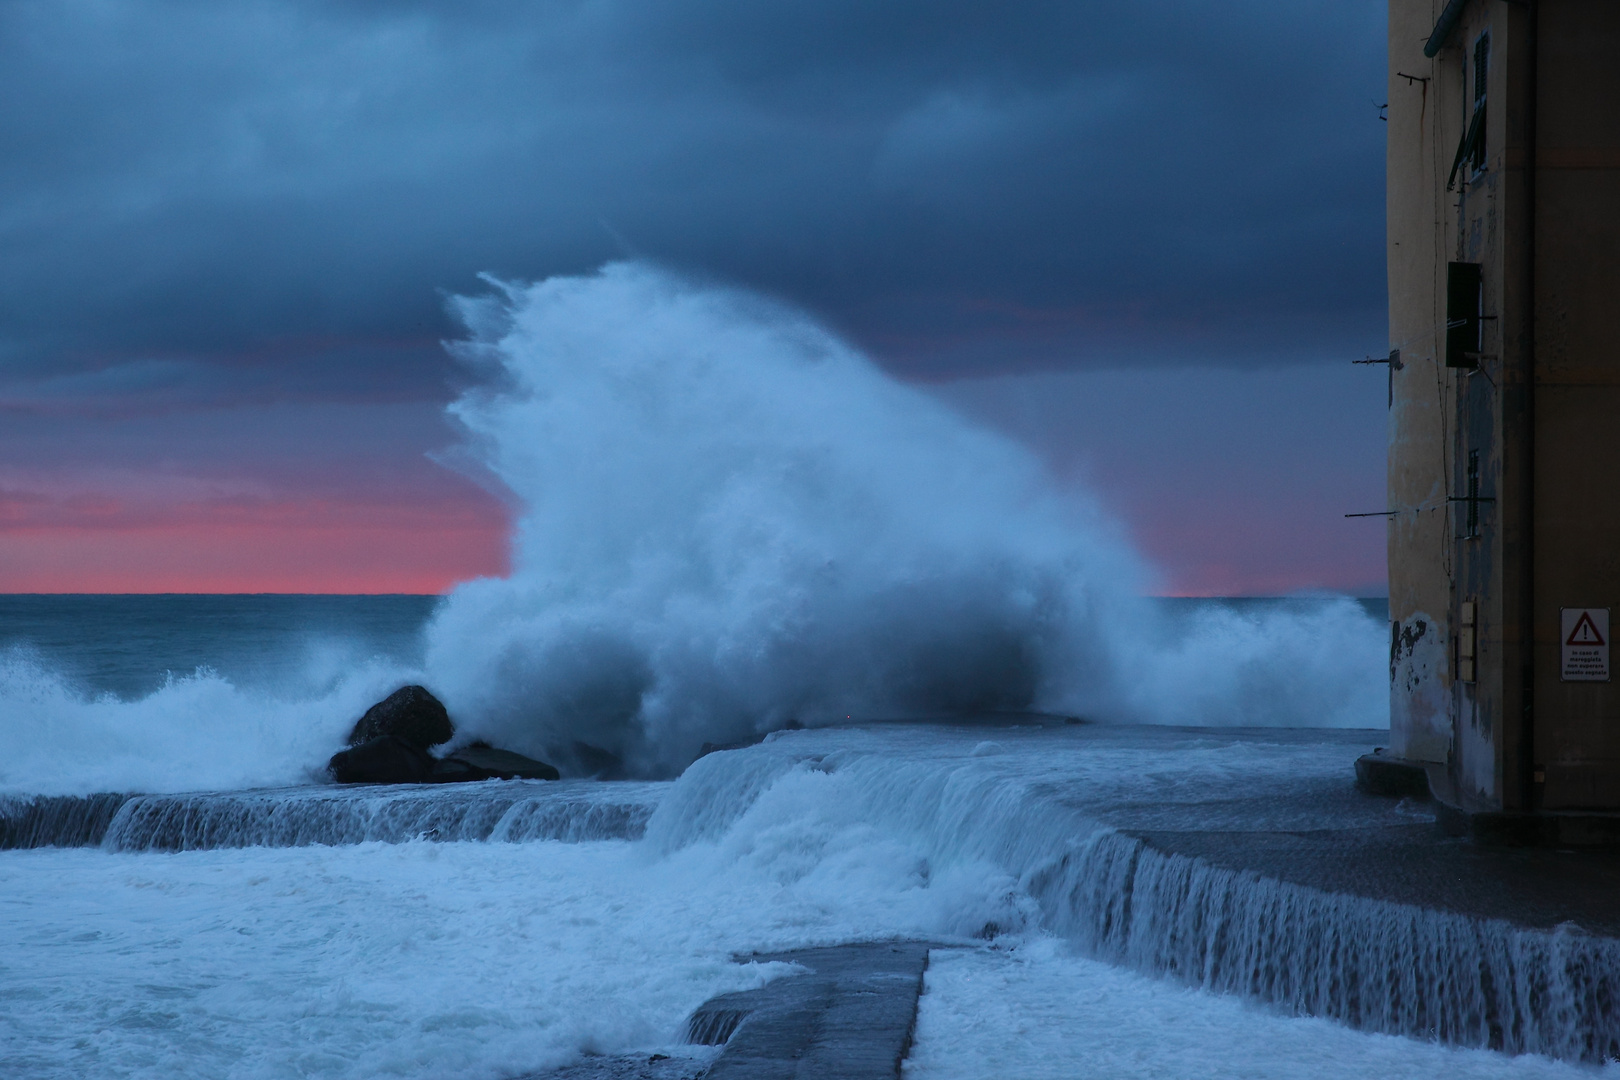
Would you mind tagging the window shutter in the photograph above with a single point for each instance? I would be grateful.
(1469, 147)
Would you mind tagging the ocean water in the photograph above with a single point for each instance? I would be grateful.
(730, 526)
(184, 693)
(728, 522)
(502, 957)
(130, 646)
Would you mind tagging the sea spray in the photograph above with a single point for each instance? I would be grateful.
(195, 732)
(1299, 663)
(730, 521)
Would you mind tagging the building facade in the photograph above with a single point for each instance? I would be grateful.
(1504, 445)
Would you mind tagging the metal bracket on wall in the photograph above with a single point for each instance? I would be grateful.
(1473, 502)
(1394, 362)
(1393, 359)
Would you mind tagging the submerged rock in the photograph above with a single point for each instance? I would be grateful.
(387, 759)
(389, 745)
(410, 714)
(499, 764)
(449, 770)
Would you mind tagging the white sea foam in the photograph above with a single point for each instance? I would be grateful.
(1305, 664)
(1038, 1013)
(482, 960)
(198, 731)
(728, 521)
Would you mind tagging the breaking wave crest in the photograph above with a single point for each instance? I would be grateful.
(195, 732)
(730, 521)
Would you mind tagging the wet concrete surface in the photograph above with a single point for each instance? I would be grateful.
(849, 1017)
(1386, 849)
(631, 1067)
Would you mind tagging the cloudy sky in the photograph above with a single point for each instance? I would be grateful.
(1147, 239)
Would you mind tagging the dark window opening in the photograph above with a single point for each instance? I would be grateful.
(1462, 314)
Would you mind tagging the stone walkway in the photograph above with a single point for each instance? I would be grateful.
(849, 1016)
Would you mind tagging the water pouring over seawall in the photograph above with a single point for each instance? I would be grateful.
(1399, 969)
(509, 811)
(1045, 810)
(729, 523)
(34, 821)
(1227, 860)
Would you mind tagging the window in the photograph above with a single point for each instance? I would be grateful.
(1482, 73)
(1463, 285)
(1472, 147)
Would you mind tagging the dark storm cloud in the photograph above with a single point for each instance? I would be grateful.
(280, 193)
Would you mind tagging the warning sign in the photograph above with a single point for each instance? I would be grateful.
(1586, 644)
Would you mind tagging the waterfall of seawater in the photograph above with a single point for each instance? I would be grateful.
(510, 811)
(1372, 964)
(1032, 821)
(1375, 965)
(33, 821)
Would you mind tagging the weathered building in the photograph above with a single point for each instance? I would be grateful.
(1504, 451)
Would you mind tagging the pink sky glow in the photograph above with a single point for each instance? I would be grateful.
(1230, 483)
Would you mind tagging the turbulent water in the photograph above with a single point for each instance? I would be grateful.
(186, 693)
(486, 959)
(731, 520)
(729, 523)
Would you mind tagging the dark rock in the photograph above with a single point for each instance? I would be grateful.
(500, 764)
(385, 760)
(409, 713)
(449, 770)
(389, 759)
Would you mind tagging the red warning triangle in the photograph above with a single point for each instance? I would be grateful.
(1585, 632)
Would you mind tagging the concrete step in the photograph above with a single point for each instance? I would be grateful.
(848, 1017)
